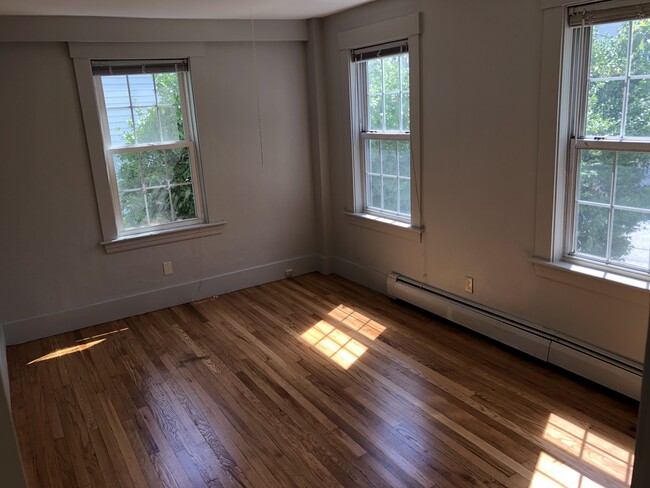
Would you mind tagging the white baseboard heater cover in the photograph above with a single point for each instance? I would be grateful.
(602, 367)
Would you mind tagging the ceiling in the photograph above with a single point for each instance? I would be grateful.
(180, 9)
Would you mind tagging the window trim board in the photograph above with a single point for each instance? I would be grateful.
(406, 27)
(81, 54)
(166, 236)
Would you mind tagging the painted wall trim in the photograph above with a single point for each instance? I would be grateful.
(113, 29)
(37, 327)
(384, 31)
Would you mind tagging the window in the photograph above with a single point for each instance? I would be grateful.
(383, 94)
(380, 141)
(149, 143)
(608, 212)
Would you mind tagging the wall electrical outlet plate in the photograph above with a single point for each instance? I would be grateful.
(469, 284)
(167, 268)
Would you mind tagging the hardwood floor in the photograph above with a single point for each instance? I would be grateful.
(308, 382)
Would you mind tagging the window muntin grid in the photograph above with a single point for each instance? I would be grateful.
(149, 150)
(610, 216)
(385, 136)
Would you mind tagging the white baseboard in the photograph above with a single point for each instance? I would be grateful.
(46, 325)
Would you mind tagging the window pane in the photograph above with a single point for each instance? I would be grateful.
(159, 206)
(374, 76)
(390, 193)
(393, 112)
(404, 197)
(638, 109)
(406, 112)
(154, 170)
(183, 202)
(142, 90)
(116, 91)
(404, 60)
(631, 238)
(134, 213)
(167, 90)
(179, 166)
(591, 230)
(127, 171)
(376, 112)
(391, 74)
(389, 157)
(609, 49)
(404, 158)
(374, 191)
(633, 180)
(641, 47)
(595, 177)
(374, 157)
(171, 120)
(120, 126)
(147, 125)
(143, 109)
(605, 108)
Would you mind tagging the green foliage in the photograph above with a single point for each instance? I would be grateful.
(388, 97)
(632, 189)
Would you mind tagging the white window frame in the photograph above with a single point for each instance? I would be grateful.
(556, 176)
(115, 239)
(366, 135)
(397, 29)
(189, 143)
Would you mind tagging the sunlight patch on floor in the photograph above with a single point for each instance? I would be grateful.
(66, 350)
(551, 473)
(334, 344)
(357, 321)
(102, 335)
(585, 446)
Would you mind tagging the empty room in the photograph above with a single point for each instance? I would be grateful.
(325, 243)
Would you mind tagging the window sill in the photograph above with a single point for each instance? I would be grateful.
(386, 225)
(167, 236)
(605, 282)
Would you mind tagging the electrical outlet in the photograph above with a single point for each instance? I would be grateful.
(469, 284)
(288, 273)
(167, 268)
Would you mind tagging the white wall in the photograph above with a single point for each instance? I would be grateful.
(56, 276)
(480, 108)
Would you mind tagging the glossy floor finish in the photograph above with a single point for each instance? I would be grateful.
(308, 382)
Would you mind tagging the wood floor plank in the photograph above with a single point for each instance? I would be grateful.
(310, 382)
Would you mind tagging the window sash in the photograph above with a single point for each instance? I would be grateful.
(580, 78)
(365, 148)
(111, 151)
(571, 251)
(366, 135)
(122, 230)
